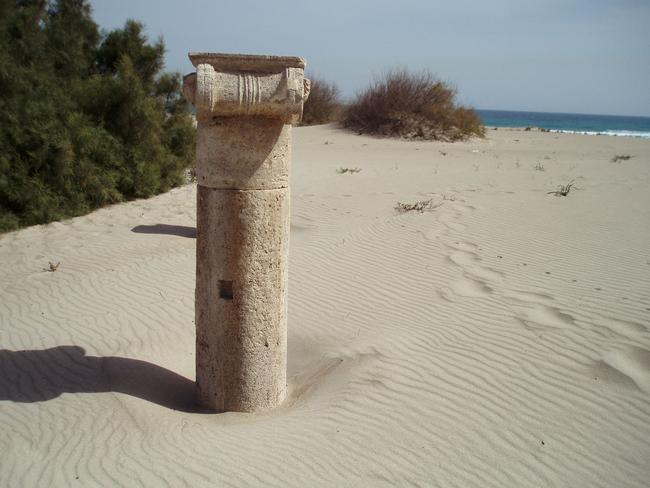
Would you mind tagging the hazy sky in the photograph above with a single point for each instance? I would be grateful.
(583, 56)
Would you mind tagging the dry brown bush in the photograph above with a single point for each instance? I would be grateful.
(412, 106)
(323, 104)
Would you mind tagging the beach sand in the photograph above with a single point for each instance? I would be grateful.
(499, 338)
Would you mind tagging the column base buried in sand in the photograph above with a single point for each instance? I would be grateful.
(245, 107)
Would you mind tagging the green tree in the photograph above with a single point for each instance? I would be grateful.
(85, 120)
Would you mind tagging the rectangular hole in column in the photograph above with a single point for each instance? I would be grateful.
(225, 289)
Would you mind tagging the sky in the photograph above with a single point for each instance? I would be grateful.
(572, 56)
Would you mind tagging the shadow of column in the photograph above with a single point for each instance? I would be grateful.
(166, 229)
(41, 375)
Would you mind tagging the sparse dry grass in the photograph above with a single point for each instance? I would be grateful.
(342, 171)
(563, 190)
(422, 205)
(412, 106)
(621, 157)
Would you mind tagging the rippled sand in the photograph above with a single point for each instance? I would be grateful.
(498, 338)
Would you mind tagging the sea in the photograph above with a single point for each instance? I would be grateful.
(611, 125)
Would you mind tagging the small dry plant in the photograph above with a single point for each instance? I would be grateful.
(540, 167)
(54, 267)
(563, 190)
(348, 170)
(422, 205)
(621, 157)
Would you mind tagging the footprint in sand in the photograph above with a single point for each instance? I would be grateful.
(529, 297)
(450, 220)
(621, 327)
(463, 258)
(486, 273)
(543, 316)
(463, 289)
(456, 226)
(464, 246)
(473, 283)
(628, 367)
(468, 260)
(463, 208)
(470, 288)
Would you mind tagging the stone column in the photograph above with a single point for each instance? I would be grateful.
(245, 106)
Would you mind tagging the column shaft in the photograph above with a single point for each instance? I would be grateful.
(241, 269)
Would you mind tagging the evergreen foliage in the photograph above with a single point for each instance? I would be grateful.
(85, 119)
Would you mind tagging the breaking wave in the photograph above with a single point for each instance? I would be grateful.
(620, 133)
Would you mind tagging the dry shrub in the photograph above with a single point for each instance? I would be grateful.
(412, 106)
(323, 104)
(621, 157)
(420, 206)
(423, 205)
(563, 190)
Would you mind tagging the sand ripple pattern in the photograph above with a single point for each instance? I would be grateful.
(448, 348)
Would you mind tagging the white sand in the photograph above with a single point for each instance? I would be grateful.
(500, 339)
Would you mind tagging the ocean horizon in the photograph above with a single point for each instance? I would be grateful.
(593, 124)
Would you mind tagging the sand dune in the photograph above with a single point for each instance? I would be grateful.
(500, 338)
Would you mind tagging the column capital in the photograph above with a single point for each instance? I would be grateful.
(226, 85)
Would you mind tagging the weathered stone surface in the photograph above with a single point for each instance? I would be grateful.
(245, 105)
(241, 306)
(243, 152)
(230, 85)
(257, 63)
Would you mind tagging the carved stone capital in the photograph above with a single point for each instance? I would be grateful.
(226, 85)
